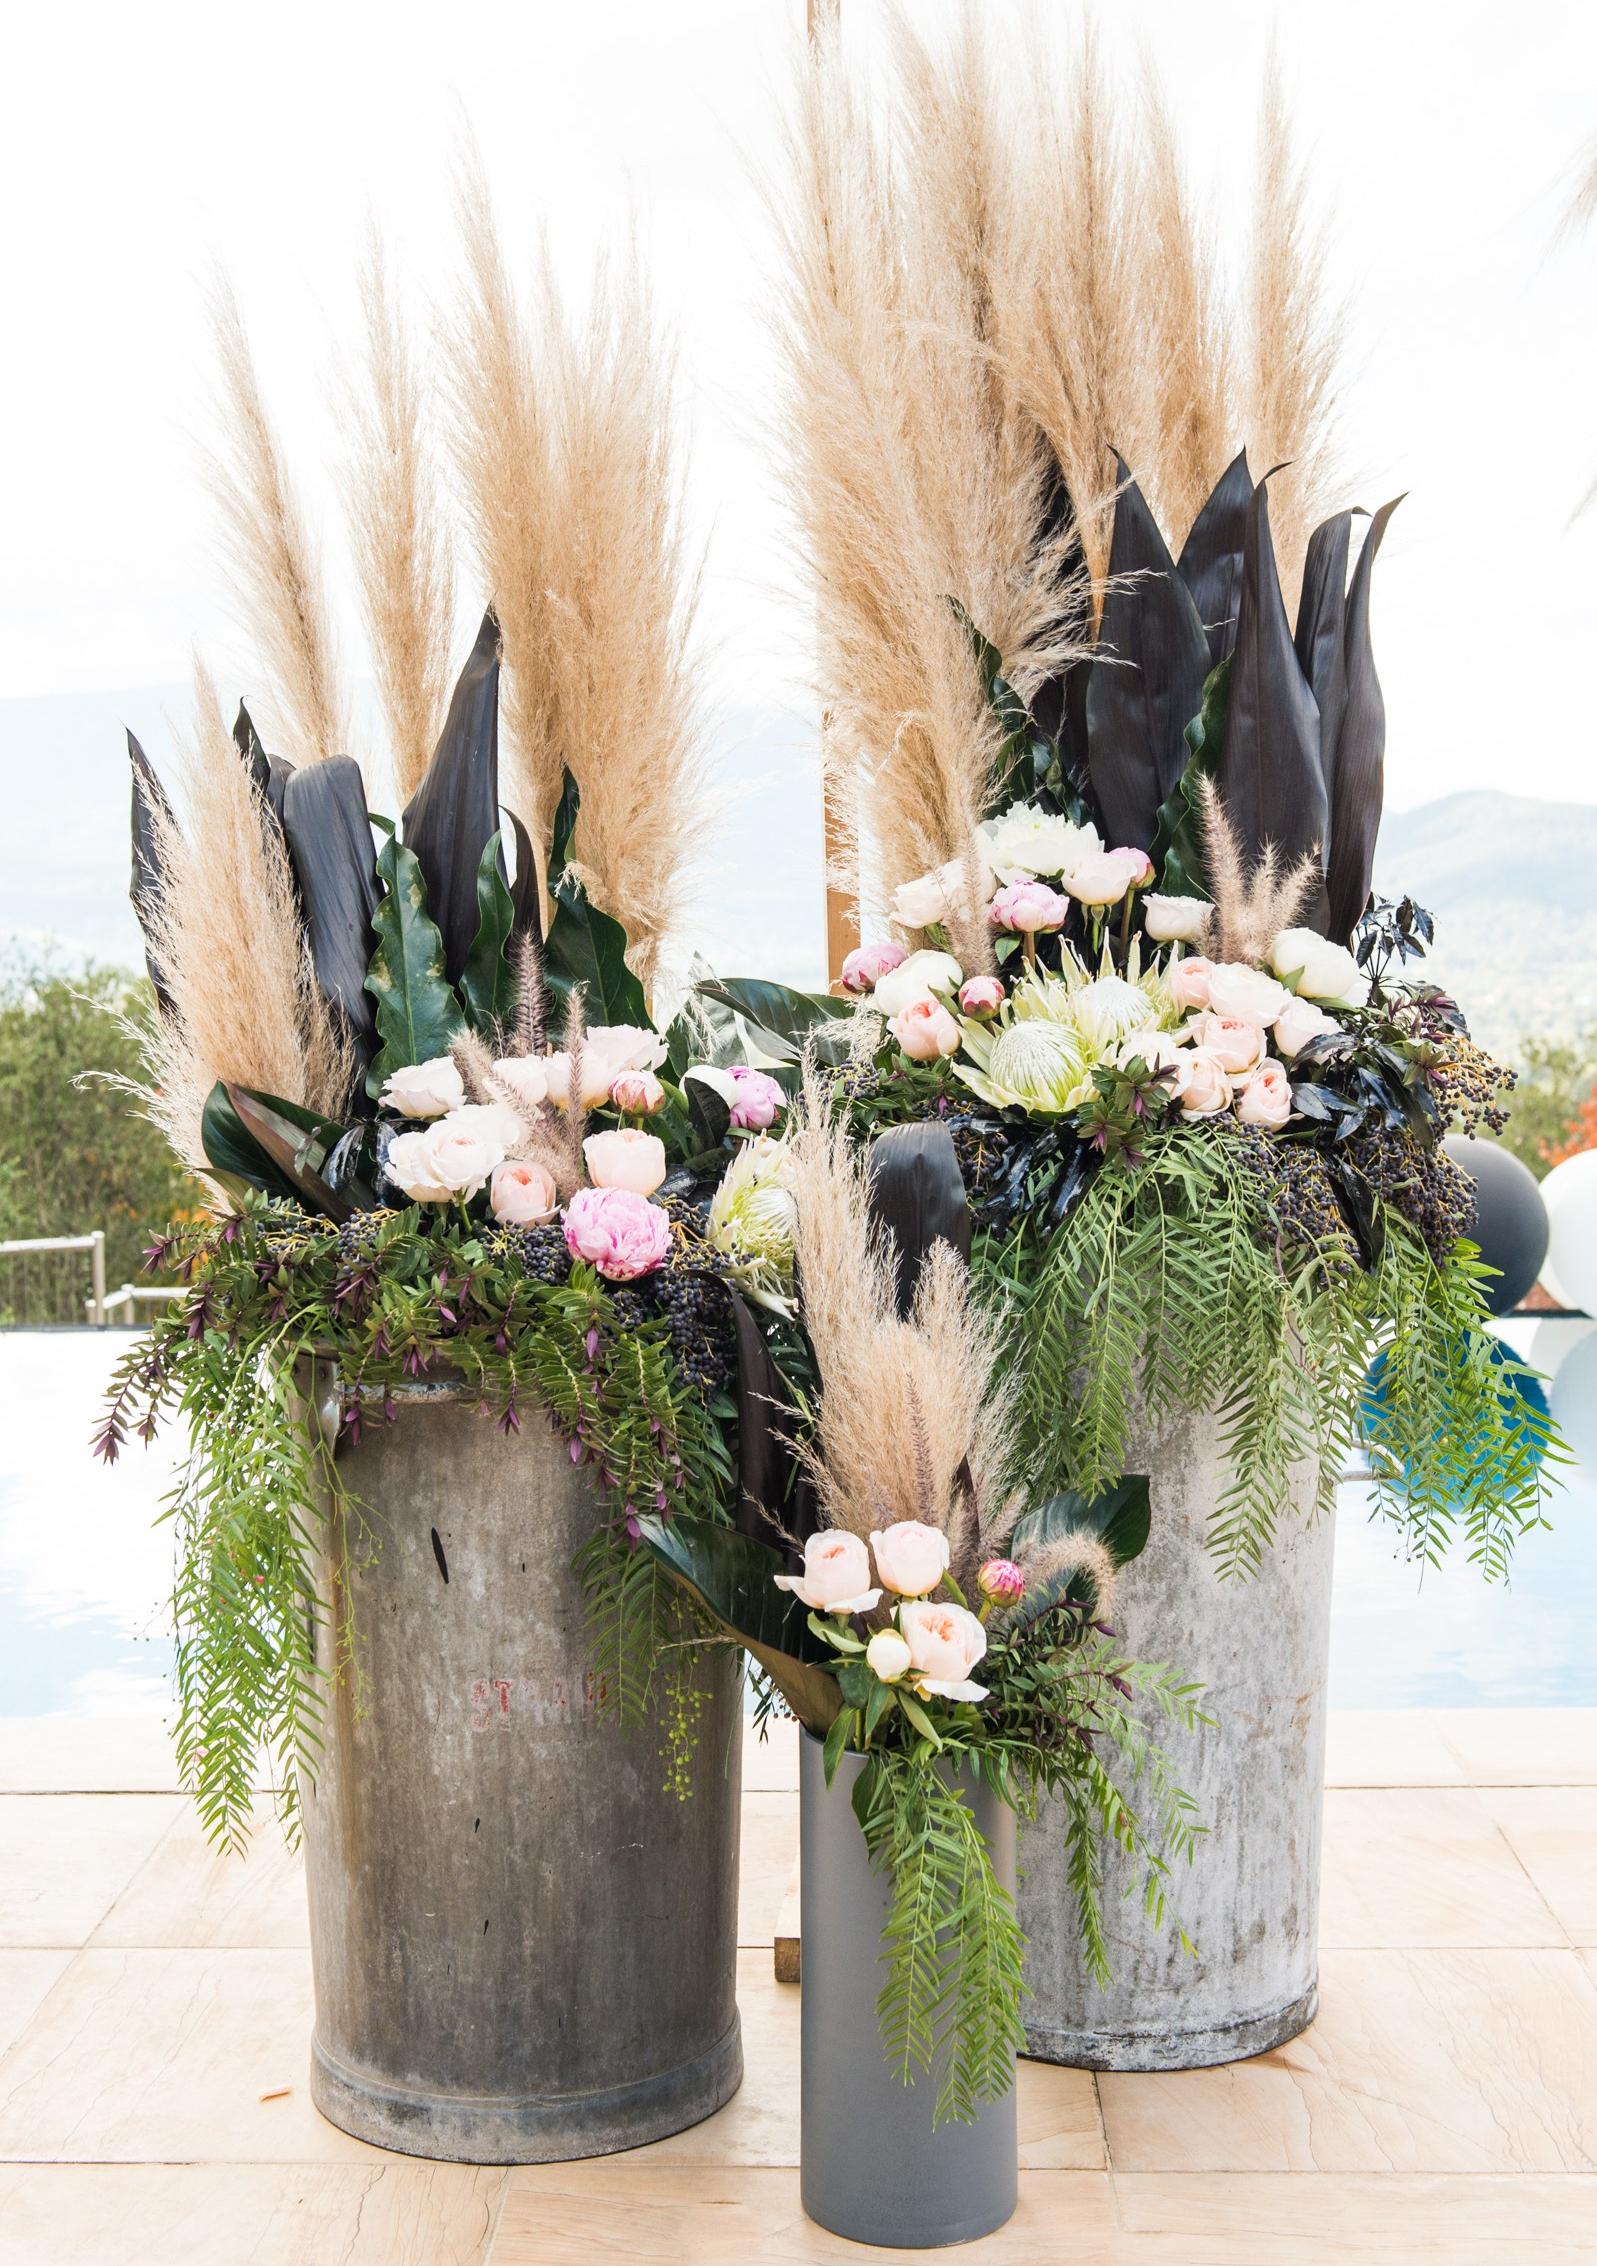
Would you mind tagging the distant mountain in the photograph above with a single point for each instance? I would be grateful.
(1512, 883)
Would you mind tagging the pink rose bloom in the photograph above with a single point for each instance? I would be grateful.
(1187, 981)
(522, 1195)
(983, 995)
(945, 1642)
(911, 1557)
(1208, 1089)
(836, 1576)
(1236, 1045)
(865, 966)
(759, 1097)
(1267, 1097)
(1002, 1580)
(637, 1093)
(617, 1231)
(926, 1031)
(625, 1158)
(1028, 908)
(1103, 877)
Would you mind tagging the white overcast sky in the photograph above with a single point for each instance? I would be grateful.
(136, 144)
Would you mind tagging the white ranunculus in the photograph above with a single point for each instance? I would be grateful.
(921, 976)
(1105, 1010)
(1028, 843)
(1175, 920)
(425, 1089)
(1314, 966)
(1247, 995)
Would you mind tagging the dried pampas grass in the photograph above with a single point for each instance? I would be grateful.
(564, 434)
(1250, 908)
(271, 560)
(399, 534)
(918, 477)
(227, 933)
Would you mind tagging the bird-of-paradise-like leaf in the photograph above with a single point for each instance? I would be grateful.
(151, 810)
(1178, 842)
(1318, 639)
(1359, 768)
(488, 981)
(455, 810)
(733, 1578)
(417, 1012)
(233, 1155)
(782, 1021)
(329, 838)
(1147, 676)
(917, 1192)
(1211, 557)
(586, 946)
(1269, 774)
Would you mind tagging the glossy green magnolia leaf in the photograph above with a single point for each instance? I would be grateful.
(733, 1578)
(780, 1019)
(417, 1011)
(585, 946)
(298, 1144)
(488, 983)
(1178, 840)
(234, 1154)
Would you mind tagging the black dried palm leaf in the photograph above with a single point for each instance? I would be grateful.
(454, 813)
(1058, 704)
(330, 846)
(1147, 677)
(1269, 775)
(271, 773)
(1211, 557)
(151, 811)
(1359, 767)
(917, 1192)
(1319, 640)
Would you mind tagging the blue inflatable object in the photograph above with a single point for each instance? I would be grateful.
(1522, 1396)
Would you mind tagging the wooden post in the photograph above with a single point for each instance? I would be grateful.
(842, 905)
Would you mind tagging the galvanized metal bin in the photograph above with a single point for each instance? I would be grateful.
(1251, 1901)
(873, 2168)
(524, 1948)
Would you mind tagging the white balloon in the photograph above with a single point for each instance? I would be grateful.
(1570, 1194)
(1574, 1401)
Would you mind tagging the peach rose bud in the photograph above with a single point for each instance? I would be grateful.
(982, 995)
(926, 1031)
(625, 1158)
(522, 1195)
(911, 1557)
(1267, 1097)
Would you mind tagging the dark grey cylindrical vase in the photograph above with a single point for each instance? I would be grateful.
(524, 1947)
(873, 2167)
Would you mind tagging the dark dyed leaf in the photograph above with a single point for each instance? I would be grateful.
(271, 773)
(526, 890)
(329, 839)
(1359, 769)
(150, 807)
(1211, 557)
(455, 810)
(1178, 841)
(770, 1476)
(488, 982)
(1269, 773)
(285, 1141)
(585, 946)
(417, 1013)
(917, 1192)
(1147, 678)
(733, 1578)
(1322, 607)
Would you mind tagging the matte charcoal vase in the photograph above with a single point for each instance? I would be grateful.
(873, 2169)
(1251, 1899)
(524, 1947)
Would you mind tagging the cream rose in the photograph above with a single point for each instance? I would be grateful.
(1104, 876)
(1187, 981)
(1237, 1046)
(454, 1157)
(425, 1089)
(1299, 1022)
(524, 1076)
(1314, 966)
(1163, 1053)
(410, 1168)
(1246, 993)
(1208, 1089)
(887, 1655)
(598, 1076)
(836, 1576)
(1175, 920)
(496, 1121)
(626, 1046)
(911, 1557)
(1026, 842)
(522, 1194)
(1267, 1097)
(918, 977)
(933, 896)
(625, 1158)
(945, 1642)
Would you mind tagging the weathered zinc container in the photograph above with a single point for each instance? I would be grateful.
(524, 1946)
(1251, 1900)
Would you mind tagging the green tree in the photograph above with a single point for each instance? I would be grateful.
(74, 1157)
(1555, 1077)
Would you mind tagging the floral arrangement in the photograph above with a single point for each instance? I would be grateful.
(937, 1618)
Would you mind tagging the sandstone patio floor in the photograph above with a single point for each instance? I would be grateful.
(1442, 2108)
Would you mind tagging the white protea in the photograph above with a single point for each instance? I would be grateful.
(1036, 1065)
(751, 1222)
(1055, 1030)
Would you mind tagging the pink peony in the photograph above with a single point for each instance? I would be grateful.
(926, 1031)
(617, 1231)
(1187, 981)
(866, 965)
(1002, 1580)
(637, 1093)
(522, 1195)
(759, 1097)
(1029, 908)
(1267, 1097)
(983, 995)
(1237, 1045)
